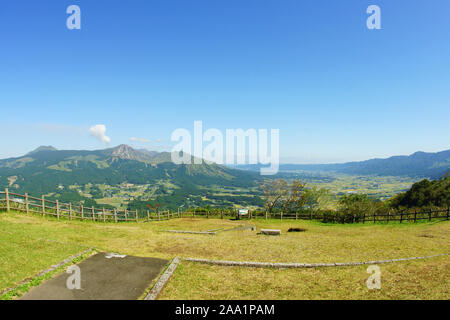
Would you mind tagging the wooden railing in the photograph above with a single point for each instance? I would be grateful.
(25, 203)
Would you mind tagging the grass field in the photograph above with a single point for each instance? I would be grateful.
(425, 279)
(32, 243)
(23, 254)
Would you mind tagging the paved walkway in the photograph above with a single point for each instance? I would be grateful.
(103, 277)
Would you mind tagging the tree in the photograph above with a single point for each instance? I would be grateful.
(313, 196)
(425, 193)
(354, 206)
(291, 197)
(274, 191)
(294, 197)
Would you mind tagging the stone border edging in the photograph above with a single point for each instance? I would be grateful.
(192, 232)
(216, 231)
(241, 228)
(302, 265)
(52, 268)
(159, 285)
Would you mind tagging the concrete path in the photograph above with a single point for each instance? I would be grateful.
(103, 277)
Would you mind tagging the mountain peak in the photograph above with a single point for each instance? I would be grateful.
(123, 147)
(124, 151)
(418, 154)
(42, 148)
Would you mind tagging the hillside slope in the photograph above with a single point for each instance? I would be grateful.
(47, 170)
(419, 164)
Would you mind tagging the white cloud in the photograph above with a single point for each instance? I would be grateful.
(98, 131)
(141, 140)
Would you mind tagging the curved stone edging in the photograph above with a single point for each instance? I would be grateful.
(159, 285)
(303, 265)
(193, 232)
(216, 231)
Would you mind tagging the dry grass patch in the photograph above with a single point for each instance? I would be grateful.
(28, 246)
(419, 279)
(321, 243)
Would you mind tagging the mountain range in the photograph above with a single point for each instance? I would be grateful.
(417, 165)
(136, 176)
(45, 169)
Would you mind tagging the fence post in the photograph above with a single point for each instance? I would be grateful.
(448, 212)
(26, 203)
(207, 214)
(43, 205)
(389, 216)
(415, 215)
(115, 215)
(57, 209)
(126, 213)
(159, 216)
(168, 215)
(93, 214)
(429, 215)
(70, 210)
(136, 215)
(103, 214)
(178, 212)
(266, 214)
(7, 199)
(374, 216)
(82, 212)
(148, 216)
(221, 214)
(401, 217)
(364, 217)
(296, 215)
(281, 216)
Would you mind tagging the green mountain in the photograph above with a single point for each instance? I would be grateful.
(419, 164)
(42, 148)
(80, 174)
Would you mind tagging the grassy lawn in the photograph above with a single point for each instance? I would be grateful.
(424, 279)
(24, 254)
(32, 243)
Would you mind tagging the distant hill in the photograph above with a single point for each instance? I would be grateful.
(45, 169)
(419, 164)
(42, 148)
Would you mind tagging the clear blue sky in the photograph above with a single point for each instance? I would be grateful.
(336, 90)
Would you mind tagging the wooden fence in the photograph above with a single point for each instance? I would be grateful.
(28, 204)
(335, 217)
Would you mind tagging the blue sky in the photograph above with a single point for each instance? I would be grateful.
(336, 90)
